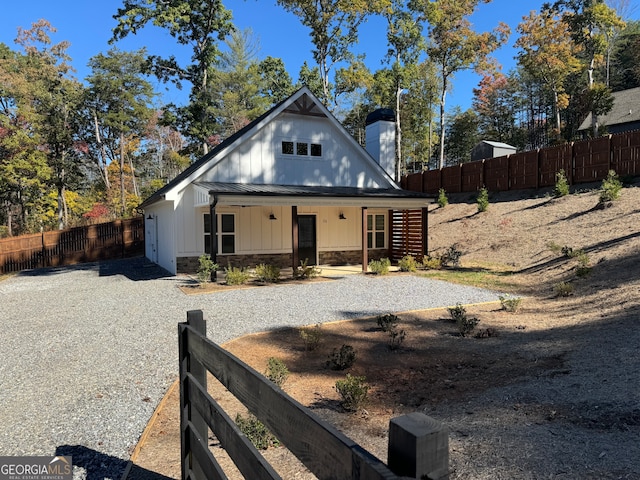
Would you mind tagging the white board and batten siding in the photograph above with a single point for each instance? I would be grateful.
(260, 160)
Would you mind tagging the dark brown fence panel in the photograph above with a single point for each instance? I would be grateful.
(523, 170)
(472, 173)
(452, 179)
(625, 153)
(496, 174)
(431, 181)
(414, 182)
(591, 160)
(122, 238)
(407, 237)
(552, 160)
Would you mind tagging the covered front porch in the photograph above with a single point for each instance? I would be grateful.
(287, 225)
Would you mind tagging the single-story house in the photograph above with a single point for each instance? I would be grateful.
(291, 186)
(623, 117)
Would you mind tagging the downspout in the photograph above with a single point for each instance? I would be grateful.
(213, 237)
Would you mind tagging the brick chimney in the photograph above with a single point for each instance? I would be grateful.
(380, 134)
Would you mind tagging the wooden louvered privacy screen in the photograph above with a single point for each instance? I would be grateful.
(408, 234)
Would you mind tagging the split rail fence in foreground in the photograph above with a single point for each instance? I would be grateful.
(418, 445)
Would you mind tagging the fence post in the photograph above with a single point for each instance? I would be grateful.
(188, 364)
(418, 447)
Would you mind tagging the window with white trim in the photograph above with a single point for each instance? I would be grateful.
(376, 231)
(225, 231)
(301, 149)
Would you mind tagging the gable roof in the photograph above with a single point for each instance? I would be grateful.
(301, 102)
(626, 109)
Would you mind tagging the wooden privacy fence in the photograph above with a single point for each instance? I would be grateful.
(118, 239)
(583, 162)
(418, 445)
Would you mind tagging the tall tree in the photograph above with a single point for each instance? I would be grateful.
(195, 23)
(119, 107)
(496, 103)
(462, 135)
(334, 30)
(453, 45)
(548, 54)
(276, 84)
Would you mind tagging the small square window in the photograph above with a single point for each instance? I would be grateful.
(316, 150)
(287, 148)
(302, 149)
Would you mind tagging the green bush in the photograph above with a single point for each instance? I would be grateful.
(563, 289)
(267, 273)
(407, 264)
(256, 432)
(584, 264)
(311, 336)
(611, 187)
(277, 371)
(465, 324)
(554, 247)
(451, 256)
(236, 275)
(205, 269)
(341, 359)
(443, 201)
(305, 271)
(387, 322)
(432, 263)
(354, 391)
(380, 267)
(562, 185)
(509, 303)
(483, 200)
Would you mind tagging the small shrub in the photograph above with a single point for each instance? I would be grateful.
(563, 289)
(256, 432)
(396, 337)
(451, 256)
(380, 267)
(554, 247)
(205, 269)
(342, 359)
(236, 275)
(387, 322)
(465, 324)
(509, 303)
(407, 264)
(305, 271)
(483, 200)
(277, 371)
(432, 263)
(354, 391)
(562, 185)
(486, 333)
(267, 273)
(610, 190)
(311, 336)
(443, 201)
(584, 264)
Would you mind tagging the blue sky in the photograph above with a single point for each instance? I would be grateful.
(88, 25)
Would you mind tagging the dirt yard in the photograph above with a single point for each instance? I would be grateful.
(552, 391)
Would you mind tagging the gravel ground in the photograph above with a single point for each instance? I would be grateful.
(89, 351)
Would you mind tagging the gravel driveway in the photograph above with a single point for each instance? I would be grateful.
(89, 351)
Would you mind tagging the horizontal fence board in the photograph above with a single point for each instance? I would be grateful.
(248, 460)
(204, 463)
(328, 453)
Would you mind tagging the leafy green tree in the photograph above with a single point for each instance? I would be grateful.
(311, 78)
(454, 46)
(625, 63)
(195, 23)
(275, 82)
(333, 28)
(462, 135)
(119, 107)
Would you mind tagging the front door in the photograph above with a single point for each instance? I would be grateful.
(307, 246)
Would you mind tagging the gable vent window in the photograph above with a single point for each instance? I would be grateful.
(301, 149)
(287, 148)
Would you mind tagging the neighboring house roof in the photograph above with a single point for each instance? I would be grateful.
(498, 144)
(301, 101)
(626, 109)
